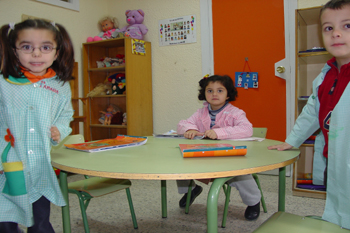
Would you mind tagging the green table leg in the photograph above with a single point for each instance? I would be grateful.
(282, 189)
(164, 204)
(212, 204)
(65, 209)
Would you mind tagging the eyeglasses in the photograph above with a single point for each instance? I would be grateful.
(29, 49)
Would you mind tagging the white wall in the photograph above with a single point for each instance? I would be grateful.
(176, 69)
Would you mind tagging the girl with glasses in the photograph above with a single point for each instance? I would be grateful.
(36, 61)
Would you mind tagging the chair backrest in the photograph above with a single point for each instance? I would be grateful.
(259, 132)
(70, 139)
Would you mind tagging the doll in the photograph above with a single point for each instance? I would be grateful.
(124, 118)
(109, 114)
(107, 26)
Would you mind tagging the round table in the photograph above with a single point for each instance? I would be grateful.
(161, 159)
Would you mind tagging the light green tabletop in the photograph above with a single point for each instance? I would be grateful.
(161, 159)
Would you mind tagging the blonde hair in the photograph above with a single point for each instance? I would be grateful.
(114, 20)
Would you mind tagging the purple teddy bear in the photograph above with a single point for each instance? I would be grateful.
(135, 29)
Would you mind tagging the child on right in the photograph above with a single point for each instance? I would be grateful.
(219, 119)
(328, 109)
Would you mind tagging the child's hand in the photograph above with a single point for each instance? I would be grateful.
(283, 146)
(190, 134)
(55, 134)
(210, 134)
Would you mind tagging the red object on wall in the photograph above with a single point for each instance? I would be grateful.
(253, 29)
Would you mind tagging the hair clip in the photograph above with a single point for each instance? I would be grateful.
(12, 25)
(53, 23)
(206, 76)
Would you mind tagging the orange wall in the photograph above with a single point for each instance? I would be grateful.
(253, 29)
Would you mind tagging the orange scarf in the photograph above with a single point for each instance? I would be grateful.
(33, 78)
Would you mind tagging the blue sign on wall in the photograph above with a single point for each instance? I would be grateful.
(246, 79)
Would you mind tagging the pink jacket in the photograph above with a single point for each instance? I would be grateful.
(230, 123)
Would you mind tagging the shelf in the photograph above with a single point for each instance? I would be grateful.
(107, 69)
(137, 100)
(309, 54)
(303, 98)
(108, 126)
(308, 145)
(315, 57)
(309, 193)
(119, 42)
(79, 117)
(308, 66)
(109, 96)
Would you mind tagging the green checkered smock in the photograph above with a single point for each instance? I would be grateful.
(338, 168)
(29, 110)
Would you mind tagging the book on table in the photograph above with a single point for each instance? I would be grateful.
(179, 136)
(211, 150)
(173, 134)
(121, 141)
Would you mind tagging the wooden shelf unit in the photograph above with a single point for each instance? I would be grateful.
(308, 66)
(77, 118)
(137, 102)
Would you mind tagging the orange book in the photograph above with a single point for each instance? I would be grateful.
(211, 150)
(121, 141)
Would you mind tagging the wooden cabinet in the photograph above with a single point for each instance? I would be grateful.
(76, 100)
(136, 102)
(308, 66)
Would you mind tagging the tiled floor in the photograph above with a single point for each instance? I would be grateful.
(111, 213)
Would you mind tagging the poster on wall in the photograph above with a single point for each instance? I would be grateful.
(180, 30)
(246, 79)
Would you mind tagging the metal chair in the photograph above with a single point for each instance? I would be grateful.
(257, 132)
(91, 187)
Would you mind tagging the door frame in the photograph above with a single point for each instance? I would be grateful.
(206, 21)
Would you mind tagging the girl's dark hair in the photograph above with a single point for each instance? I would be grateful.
(225, 80)
(10, 65)
(334, 5)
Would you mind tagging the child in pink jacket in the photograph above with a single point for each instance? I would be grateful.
(219, 119)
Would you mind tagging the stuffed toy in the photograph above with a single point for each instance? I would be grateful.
(135, 29)
(107, 25)
(107, 62)
(118, 83)
(100, 89)
(121, 59)
(110, 62)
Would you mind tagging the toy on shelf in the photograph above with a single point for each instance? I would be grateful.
(124, 118)
(135, 29)
(118, 83)
(121, 59)
(100, 89)
(107, 25)
(112, 115)
(111, 62)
